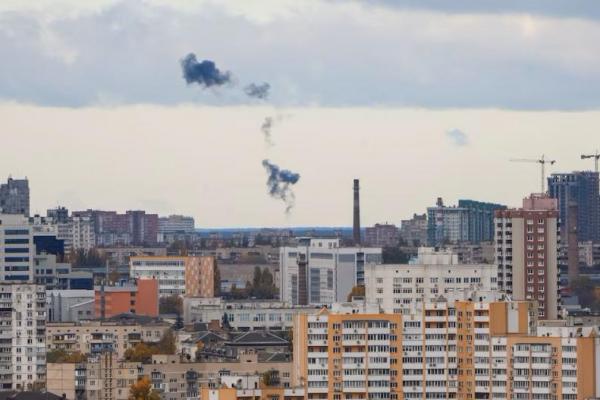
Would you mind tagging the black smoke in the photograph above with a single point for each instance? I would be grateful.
(205, 73)
(258, 91)
(280, 183)
(266, 129)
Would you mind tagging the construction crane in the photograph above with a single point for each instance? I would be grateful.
(542, 161)
(596, 157)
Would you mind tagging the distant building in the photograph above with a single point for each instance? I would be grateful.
(58, 275)
(139, 299)
(382, 235)
(414, 231)
(14, 197)
(527, 251)
(23, 336)
(581, 188)
(319, 271)
(170, 271)
(174, 224)
(472, 221)
(132, 228)
(589, 254)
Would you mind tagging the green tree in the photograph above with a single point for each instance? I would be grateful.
(394, 255)
(142, 352)
(168, 343)
(62, 356)
(217, 280)
(172, 304)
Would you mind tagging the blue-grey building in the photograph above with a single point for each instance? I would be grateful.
(581, 188)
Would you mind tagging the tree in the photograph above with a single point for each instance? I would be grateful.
(217, 280)
(357, 291)
(168, 343)
(62, 356)
(142, 390)
(394, 255)
(270, 378)
(140, 353)
(178, 248)
(585, 289)
(89, 258)
(172, 304)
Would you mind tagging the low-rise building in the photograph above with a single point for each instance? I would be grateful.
(242, 315)
(70, 305)
(94, 337)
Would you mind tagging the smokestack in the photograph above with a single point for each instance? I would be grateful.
(356, 222)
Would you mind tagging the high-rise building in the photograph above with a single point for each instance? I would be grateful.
(17, 248)
(132, 228)
(176, 223)
(414, 231)
(382, 235)
(449, 350)
(356, 214)
(14, 197)
(481, 219)
(472, 221)
(526, 253)
(22, 336)
(581, 188)
(175, 274)
(319, 271)
(403, 288)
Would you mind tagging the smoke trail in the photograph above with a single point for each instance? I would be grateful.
(258, 91)
(266, 129)
(279, 182)
(204, 73)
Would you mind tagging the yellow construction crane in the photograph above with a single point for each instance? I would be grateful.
(594, 156)
(542, 161)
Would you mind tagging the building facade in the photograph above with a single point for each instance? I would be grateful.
(174, 224)
(319, 271)
(140, 298)
(14, 197)
(481, 219)
(172, 272)
(22, 336)
(382, 235)
(132, 228)
(414, 231)
(95, 337)
(581, 188)
(17, 248)
(69, 305)
(458, 350)
(401, 289)
(527, 253)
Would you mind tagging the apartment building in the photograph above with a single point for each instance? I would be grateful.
(17, 248)
(526, 253)
(94, 337)
(382, 235)
(132, 228)
(402, 288)
(319, 271)
(14, 197)
(69, 305)
(414, 231)
(103, 377)
(174, 225)
(462, 350)
(176, 274)
(140, 298)
(58, 275)
(22, 336)
(263, 393)
(242, 315)
(175, 380)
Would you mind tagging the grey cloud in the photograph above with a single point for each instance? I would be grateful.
(126, 54)
(458, 137)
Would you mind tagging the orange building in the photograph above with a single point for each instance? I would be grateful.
(200, 276)
(141, 299)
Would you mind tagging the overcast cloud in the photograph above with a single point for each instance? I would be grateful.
(534, 55)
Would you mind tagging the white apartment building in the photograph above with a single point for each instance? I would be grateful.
(319, 271)
(17, 249)
(404, 288)
(176, 223)
(22, 336)
(170, 272)
(77, 233)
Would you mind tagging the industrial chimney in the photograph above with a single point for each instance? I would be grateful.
(356, 222)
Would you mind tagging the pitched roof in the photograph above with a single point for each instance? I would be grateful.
(28, 396)
(258, 338)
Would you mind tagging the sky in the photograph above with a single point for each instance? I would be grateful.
(418, 99)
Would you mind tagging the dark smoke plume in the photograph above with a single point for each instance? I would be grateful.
(279, 183)
(258, 91)
(266, 129)
(203, 73)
